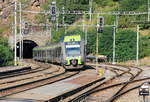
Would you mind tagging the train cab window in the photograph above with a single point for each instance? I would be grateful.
(73, 51)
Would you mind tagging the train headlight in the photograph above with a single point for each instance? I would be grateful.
(146, 89)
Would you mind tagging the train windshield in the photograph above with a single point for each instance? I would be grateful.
(73, 50)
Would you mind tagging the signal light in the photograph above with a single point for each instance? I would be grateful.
(101, 24)
(101, 21)
(26, 26)
(53, 10)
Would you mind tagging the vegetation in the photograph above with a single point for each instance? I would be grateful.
(126, 45)
(125, 37)
(133, 5)
(144, 46)
(6, 55)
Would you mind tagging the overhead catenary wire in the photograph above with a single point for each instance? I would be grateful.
(87, 12)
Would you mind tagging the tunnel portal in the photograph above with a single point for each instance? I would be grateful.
(28, 45)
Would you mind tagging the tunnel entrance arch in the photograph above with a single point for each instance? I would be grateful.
(28, 45)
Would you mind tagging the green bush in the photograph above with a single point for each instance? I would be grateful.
(57, 34)
(72, 5)
(106, 42)
(133, 5)
(104, 2)
(125, 44)
(91, 41)
(144, 46)
(6, 55)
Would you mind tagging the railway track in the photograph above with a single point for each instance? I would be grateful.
(30, 85)
(39, 67)
(11, 85)
(123, 86)
(122, 82)
(24, 77)
(137, 83)
(27, 78)
(74, 95)
(134, 75)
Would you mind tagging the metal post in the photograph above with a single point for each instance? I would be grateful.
(83, 21)
(22, 36)
(90, 10)
(65, 29)
(148, 11)
(114, 43)
(63, 22)
(20, 48)
(86, 36)
(12, 34)
(57, 16)
(137, 51)
(97, 40)
(57, 19)
(117, 19)
(15, 20)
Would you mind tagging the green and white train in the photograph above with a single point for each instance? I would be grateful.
(70, 52)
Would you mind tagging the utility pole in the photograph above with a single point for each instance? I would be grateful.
(148, 11)
(90, 10)
(114, 42)
(20, 48)
(83, 22)
(137, 46)
(117, 20)
(86, 36)
(63, 21)
(97, 40)
(57, 21)
(65, 29)
(86, 41)
(15, 23)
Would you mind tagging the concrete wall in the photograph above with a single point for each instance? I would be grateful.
(39, 38)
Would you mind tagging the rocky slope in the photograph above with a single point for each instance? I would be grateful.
(6, 12)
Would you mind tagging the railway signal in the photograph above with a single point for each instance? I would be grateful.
(144, 90)
(101, 24)
(53, 11)
(25, 28)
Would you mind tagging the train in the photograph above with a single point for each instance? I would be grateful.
(69, 52)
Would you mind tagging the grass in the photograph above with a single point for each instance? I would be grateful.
(142, 62)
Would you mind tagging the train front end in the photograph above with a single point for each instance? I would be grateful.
(73, 52)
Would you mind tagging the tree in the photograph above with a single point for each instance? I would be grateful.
(133, 5)
(125, 45)
(106, 42)
(144, 46)
(6, 55)
(72, 5)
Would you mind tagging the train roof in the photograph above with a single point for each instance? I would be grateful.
(69, 38)
(47, 47)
